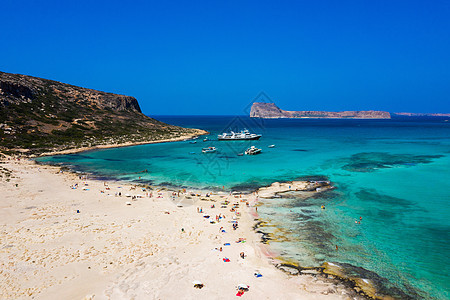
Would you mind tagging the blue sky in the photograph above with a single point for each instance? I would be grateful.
(214, 57)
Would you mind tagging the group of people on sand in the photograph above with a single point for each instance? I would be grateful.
(235, 226)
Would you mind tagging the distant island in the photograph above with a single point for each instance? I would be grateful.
(271, 111)
(39, 115)
(406, 114)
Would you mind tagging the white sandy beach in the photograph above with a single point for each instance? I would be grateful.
(151, 249)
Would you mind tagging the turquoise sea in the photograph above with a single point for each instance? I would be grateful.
(394, 174)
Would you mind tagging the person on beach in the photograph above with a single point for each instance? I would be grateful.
(242, 254)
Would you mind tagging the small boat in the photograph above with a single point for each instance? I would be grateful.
(240, 154)
(239, 136)
(193, 142)
(252, 151)
(205, 139)
(209, 150)
(271, 146)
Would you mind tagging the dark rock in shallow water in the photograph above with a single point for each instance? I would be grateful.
(246, 187)
(383, 287)
(311, 178)
(113, 159)
(371, 161)
(373, 196)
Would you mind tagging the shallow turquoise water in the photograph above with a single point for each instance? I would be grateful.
(393, 173)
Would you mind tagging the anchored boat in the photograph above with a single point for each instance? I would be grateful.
(252, 151)
(209, 149)
(238, 136)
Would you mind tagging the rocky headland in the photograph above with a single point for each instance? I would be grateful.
(39, 115)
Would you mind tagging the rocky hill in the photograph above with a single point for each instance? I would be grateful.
(271, 111)
(39, 115)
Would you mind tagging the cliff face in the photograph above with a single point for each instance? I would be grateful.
(267, 111)
(16, 89)
(39, 115)
(271, 111)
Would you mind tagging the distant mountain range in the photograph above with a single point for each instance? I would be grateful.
(271, 111)
(39, 115)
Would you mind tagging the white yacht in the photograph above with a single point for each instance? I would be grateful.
(252, 151)
(209, 150)
(239, 136)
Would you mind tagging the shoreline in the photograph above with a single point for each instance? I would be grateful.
(330, 272)
(199, 132)
(55, 208)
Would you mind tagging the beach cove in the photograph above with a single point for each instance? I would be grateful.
(67, 236)
(400, 243)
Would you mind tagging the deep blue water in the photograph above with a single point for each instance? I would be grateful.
(393, 173)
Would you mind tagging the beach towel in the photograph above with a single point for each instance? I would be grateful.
(226, 260)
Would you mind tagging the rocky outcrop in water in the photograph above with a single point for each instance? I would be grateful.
(271, 111)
